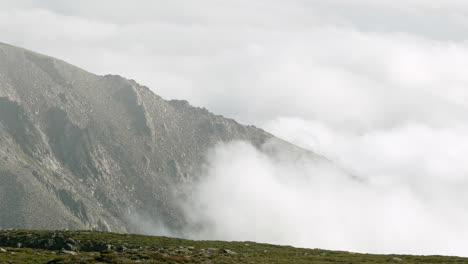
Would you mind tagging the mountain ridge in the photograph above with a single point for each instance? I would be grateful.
(82, 151)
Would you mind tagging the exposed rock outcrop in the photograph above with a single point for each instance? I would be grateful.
(82, 151)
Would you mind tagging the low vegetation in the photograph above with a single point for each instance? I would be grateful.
(25, 246)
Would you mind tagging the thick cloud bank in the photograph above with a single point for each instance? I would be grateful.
(249, 195)
(378, 87)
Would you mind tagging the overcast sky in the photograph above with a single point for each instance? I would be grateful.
(255, 60)
(379, 87)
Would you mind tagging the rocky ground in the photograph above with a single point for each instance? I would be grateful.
(25, 246)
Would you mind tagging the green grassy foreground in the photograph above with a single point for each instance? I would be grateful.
(25, 246)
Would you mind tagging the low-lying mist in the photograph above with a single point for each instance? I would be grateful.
(246, 194)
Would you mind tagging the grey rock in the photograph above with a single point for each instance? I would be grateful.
(63, 251)
(82, 151)
(230, 252)
(2, 250)
(71, 247)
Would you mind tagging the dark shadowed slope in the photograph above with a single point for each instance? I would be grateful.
(82, 151)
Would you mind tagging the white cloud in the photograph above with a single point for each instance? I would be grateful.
(257, 73)
(248, 195)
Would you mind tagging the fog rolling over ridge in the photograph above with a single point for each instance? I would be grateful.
(82, 151)
(376, 88)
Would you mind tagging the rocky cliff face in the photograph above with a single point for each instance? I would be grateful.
(82, 151)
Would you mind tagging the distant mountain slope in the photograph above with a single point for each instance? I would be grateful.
(82, 151)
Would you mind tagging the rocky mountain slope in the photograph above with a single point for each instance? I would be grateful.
(81, 151)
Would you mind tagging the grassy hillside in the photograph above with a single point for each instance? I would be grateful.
(25, 246)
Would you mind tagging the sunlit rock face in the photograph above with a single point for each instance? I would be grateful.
(81, 151)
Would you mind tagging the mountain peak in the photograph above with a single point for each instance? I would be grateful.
(82, 151)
